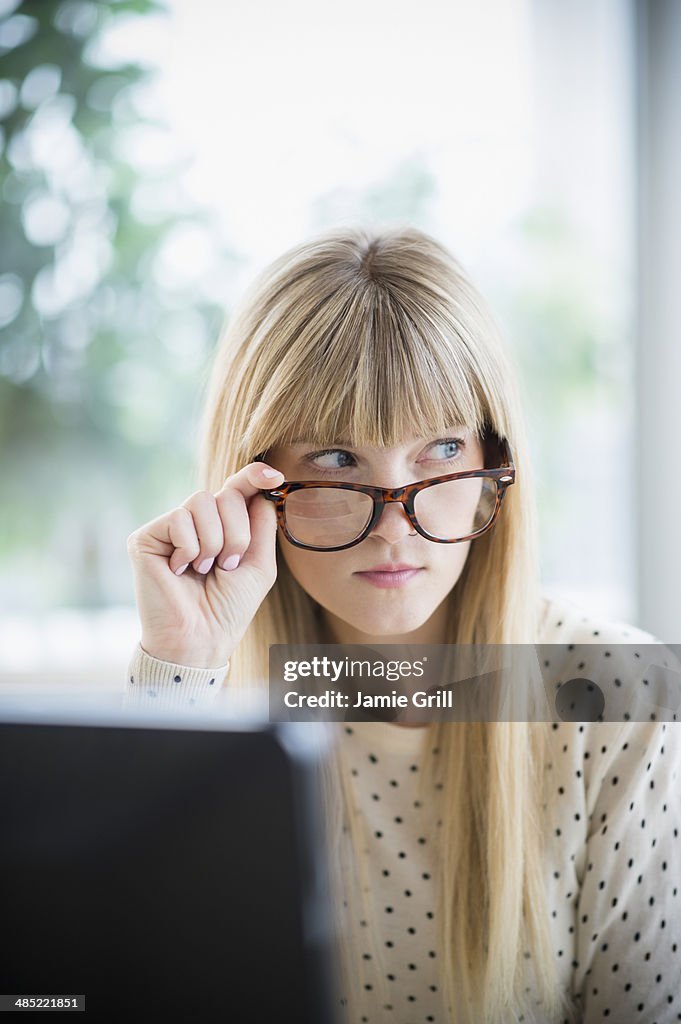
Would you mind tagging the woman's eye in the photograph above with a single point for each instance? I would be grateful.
(330, 455)
(452, 447)
(332, 459)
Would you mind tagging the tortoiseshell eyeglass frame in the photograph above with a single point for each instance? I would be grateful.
(504, 475)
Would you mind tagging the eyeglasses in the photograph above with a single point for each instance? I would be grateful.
(325, 515)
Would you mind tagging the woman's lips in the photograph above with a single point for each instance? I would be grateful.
(389, 579)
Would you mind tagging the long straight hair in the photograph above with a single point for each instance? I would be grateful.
(375, 335)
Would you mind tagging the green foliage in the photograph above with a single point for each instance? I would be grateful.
(99, 345)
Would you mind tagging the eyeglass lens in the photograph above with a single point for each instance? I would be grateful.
(329, 517)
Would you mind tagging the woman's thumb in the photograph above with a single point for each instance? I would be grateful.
(261, 552)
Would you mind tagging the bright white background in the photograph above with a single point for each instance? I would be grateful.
(506, 128)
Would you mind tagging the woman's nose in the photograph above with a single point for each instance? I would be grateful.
(394, 523)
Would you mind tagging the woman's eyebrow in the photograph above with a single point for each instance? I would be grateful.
(306, 441)
(349, 444)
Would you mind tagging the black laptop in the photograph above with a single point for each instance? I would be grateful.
(158, 863)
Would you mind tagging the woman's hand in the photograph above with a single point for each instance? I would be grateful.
(202, 570)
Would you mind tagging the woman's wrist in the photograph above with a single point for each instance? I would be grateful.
(217, 660)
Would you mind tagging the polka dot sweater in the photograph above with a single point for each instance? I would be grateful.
(614, 871)
(612, 880)
(148, 678)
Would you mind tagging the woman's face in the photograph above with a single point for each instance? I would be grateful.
(355, 606)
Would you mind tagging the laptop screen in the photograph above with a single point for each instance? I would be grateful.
(165, 865)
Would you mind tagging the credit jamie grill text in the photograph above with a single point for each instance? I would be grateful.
(421, 683)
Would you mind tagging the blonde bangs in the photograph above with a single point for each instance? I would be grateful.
(369, 368)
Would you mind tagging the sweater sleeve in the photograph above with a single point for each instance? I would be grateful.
(628, 941)
(639, 677)
(149, 679)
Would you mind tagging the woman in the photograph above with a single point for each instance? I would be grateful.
(487, 871)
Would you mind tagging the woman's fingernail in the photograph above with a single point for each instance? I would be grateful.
(181, 568)
(271, 472)
(231, 562)
(205, 565)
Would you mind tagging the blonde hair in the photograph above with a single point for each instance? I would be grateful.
(375, 335)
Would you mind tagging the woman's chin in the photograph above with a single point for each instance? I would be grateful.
(379, 626)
